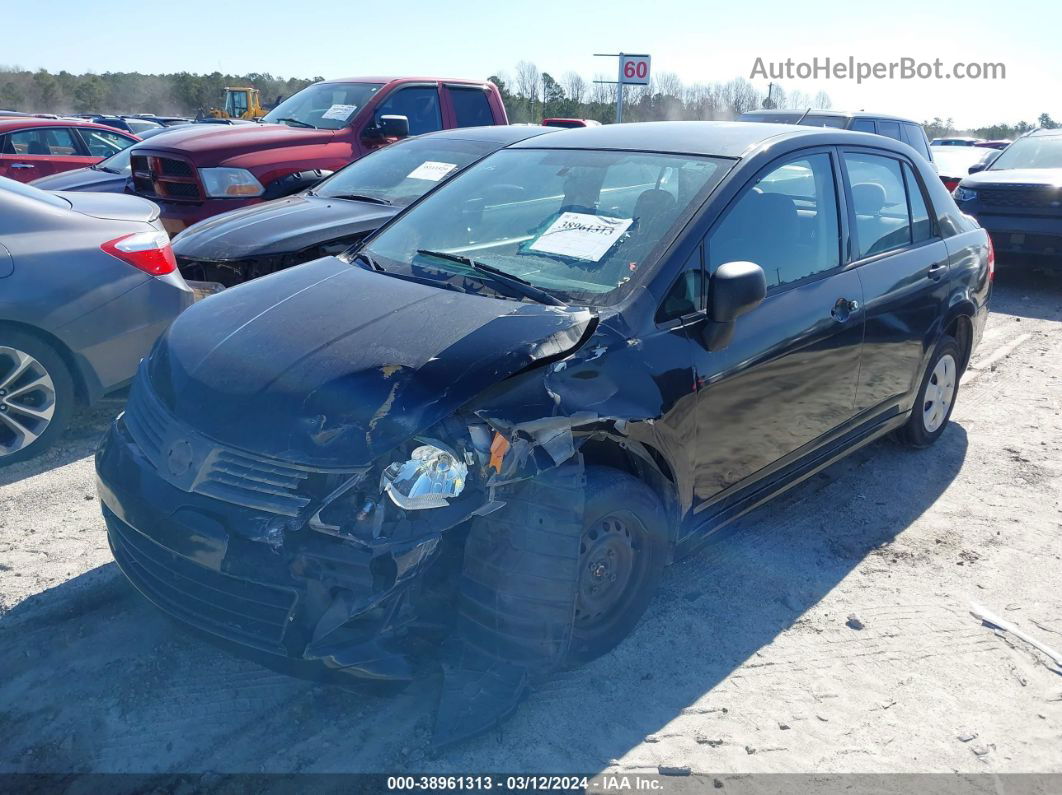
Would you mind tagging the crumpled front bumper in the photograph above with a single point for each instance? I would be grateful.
(319, 599)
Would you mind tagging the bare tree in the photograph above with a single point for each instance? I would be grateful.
(823, 101)
(574, 87)
(527, 85)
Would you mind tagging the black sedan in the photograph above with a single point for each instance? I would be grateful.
(254, 241)
(558, 372)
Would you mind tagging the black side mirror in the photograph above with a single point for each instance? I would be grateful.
(734, 289)
(978, 167)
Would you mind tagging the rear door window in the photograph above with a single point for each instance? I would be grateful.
(104, 143)
(921, 227)
(890, 129)
(879, 200)
(916, 139)
(419, 104)
(471, 106)
(863, 125)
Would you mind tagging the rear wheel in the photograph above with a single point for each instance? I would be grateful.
(36, 396)
(936, 397)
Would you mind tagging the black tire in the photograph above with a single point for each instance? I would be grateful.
(62, 388)
(919, 432)
(522, 566)
(621, 512)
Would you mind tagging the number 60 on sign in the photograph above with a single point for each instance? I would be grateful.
(634, 70)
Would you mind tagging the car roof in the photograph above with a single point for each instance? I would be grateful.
(23, 123)
(405, 79)
(858, 114)
(502, 134)
(1045, 133)
(715, 138)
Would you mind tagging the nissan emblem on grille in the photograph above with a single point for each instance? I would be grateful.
(179, 457)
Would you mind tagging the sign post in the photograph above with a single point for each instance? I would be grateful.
(633, 71)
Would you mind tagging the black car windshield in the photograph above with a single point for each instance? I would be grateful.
(1035, 152)
(326, 106)
(580, 224)
(401, 173)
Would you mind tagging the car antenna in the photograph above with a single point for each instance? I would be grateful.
(803, 116)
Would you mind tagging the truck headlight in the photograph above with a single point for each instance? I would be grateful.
(429, 479)
(962, 194)
(230, 183)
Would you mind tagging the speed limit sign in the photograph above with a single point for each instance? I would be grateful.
(634, 70)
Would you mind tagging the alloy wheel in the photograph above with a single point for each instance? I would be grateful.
(27, 400)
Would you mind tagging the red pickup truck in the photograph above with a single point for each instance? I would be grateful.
(206, 170)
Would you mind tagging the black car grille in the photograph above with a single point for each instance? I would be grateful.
(1035, 198)
(226, 474)
(254, 482)
(165, 178)
(248, 612)
(230, 272)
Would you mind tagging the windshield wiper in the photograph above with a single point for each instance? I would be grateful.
(356, 197)
(296, 122)
(522, 286)
(376, 266)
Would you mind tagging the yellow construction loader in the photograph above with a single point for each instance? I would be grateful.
(240, 103)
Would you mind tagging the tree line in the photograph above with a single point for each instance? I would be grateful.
(177, 94)
(530, 95)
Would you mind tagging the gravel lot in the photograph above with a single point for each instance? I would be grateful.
(747, 661)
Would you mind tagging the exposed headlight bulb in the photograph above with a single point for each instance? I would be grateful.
(429, 479)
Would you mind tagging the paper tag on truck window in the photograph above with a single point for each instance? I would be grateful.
(341, 112)
(581, 236)
(431, 170)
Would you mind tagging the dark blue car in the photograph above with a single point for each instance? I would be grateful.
(1018, 197)
(503, 414)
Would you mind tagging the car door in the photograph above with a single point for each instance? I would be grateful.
(788, 377)
(38, 152)
(902, 263)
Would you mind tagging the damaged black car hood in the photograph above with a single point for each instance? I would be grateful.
(279, 227)
(327, 364)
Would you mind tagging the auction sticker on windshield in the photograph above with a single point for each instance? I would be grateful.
(581, 236)
(431, 170)
(341, 112)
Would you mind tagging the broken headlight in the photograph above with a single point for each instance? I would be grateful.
(429, 479)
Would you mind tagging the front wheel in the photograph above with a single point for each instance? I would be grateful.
(622, 553)
(936, 397)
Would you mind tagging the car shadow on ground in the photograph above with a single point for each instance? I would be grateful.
(86, 429)
(98, 680)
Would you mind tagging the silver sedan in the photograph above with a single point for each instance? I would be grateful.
(88, 282)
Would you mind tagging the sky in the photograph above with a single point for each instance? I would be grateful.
(698, 41)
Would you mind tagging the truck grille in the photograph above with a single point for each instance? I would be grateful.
(1035, 198)
(165, 178)
(241, 610)
(223, 473)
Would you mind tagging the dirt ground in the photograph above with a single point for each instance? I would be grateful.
(750, 659)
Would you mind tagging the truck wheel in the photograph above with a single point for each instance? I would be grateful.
(622, 553)
(936, 397)
(36, 396)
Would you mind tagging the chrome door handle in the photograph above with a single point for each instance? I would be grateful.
(844, 308)
(22, 165)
